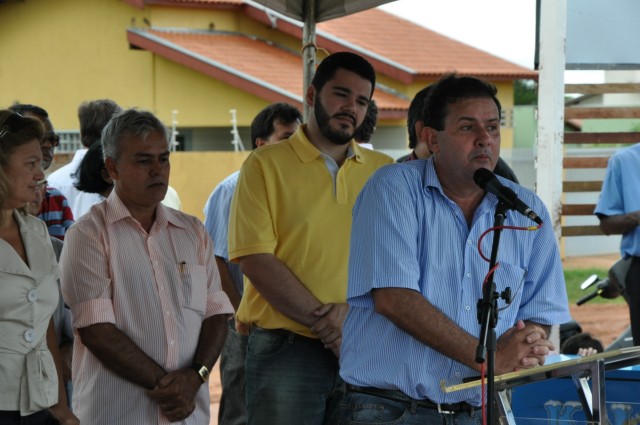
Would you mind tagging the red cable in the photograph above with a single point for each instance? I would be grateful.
(486, 280)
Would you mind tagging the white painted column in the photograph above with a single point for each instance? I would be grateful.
(550, 113)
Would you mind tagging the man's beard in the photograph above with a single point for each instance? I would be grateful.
(336, 136)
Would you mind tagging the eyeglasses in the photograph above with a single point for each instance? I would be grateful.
(52, 138)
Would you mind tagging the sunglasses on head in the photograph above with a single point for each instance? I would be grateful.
(52, 138)
(11, 124)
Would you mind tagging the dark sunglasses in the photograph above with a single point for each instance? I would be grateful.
(52, 138)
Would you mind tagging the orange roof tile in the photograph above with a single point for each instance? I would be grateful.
(253, 65)
(426, 52)
(396, 47)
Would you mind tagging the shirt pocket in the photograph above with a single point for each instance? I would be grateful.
(193, 278)
(510, 276)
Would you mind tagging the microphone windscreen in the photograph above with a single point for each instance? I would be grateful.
(482, 177)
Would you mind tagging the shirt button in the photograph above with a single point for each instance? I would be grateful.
(172, 342)
(469, 243)
(28, 335)
(457, 373)
(468, 275)
(32, 296)
(466, 307)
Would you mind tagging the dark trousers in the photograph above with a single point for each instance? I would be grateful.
(290, 379)
(232, 359)
(39, 418)
(632, 282)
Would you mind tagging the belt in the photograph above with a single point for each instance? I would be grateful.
(287, 334)
(402, 397)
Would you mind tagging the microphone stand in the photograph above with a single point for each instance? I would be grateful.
(488, 316)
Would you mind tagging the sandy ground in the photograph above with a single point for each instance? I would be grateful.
(603, 321)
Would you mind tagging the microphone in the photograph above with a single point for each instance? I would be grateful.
(490, 183)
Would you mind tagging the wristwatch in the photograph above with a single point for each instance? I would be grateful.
(201, 370)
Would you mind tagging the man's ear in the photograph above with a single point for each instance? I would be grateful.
(105, 176)
(430, 137)
(110, 165)
(310, 98)
(260, 142)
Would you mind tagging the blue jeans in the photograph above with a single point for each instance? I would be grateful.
(290, 378)
(232, 402)
(360, 408)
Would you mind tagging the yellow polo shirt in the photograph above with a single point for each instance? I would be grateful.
(285, 204)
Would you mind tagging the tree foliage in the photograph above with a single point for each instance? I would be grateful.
(525, 92)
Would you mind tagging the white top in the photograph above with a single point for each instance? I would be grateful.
(64, 179)
(28, 298)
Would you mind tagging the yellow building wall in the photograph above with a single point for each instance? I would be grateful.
(199, 18)
(194, 175)
(199, 99)
(58, 54)
(82, 54)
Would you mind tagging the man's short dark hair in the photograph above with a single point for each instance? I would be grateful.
(450, 89)
(262, 126)
(343, 60)
(23, 108)
(364, 133)
(94, 116)
(415, 115)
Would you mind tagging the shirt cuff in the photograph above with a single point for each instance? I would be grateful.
(93, 311)
(218, 303)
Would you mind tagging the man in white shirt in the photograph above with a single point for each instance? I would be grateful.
(93, 116)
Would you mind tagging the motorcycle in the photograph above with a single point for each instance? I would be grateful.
(610, 287)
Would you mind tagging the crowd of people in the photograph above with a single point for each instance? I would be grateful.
(335, 285)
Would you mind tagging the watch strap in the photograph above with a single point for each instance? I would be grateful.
(201, 370)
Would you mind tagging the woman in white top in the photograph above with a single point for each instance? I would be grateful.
(30, 392)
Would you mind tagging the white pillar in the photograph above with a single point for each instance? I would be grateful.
(550, 114)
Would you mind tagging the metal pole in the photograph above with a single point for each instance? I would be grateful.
(308, 50)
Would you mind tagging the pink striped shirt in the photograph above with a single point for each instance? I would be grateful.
(157, 288)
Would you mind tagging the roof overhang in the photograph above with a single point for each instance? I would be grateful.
(176, 53)
(220, 66)
(329, 42)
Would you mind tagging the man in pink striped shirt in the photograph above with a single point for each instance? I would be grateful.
(144, 290)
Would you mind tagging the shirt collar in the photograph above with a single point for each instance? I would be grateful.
(489, 201)
(116, 210)
(307, 152)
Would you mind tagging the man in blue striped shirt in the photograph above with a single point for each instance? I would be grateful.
(415, 274)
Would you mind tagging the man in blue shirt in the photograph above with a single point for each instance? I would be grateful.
(415, 274)
(619, 212)
(419, 146)
(274, 123)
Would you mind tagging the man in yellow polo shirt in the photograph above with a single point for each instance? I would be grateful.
(289, 229)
